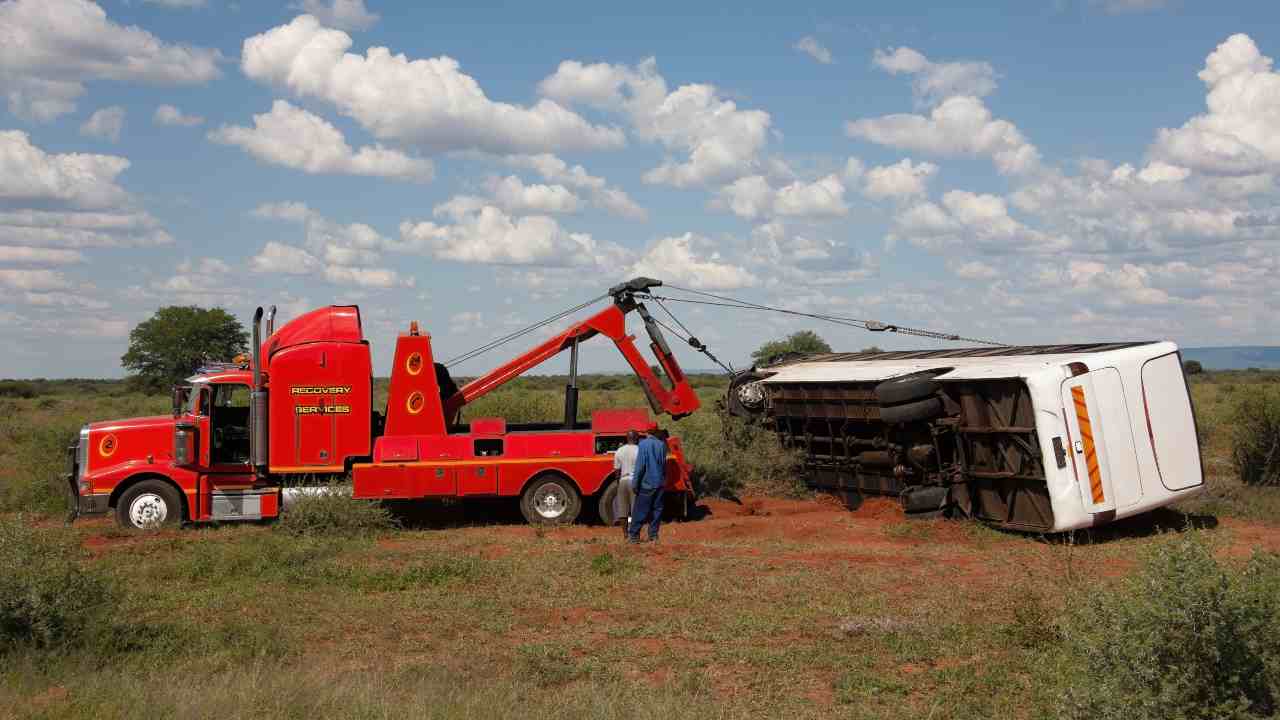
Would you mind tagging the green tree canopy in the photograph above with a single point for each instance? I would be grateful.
(804, 341)
(174, 342)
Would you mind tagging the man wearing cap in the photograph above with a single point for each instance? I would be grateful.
(649, 480)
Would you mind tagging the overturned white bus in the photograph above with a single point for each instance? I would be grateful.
(1039, 438)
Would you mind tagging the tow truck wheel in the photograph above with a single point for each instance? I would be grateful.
(608, 499)
(148, 505)
(550, 500)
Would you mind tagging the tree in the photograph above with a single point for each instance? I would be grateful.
(1192, 367)
(804, 341)
(178, 339)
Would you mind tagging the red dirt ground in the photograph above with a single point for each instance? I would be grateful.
(811, 531)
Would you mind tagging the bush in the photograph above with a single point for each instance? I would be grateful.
(47, 599)
(18, 389)
(1256, 437)
(332, 511)
(731, 456)
(1185, 637)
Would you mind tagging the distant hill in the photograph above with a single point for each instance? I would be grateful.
(1235, 358)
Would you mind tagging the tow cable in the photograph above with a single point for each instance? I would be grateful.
(713, 299)
(861, 324)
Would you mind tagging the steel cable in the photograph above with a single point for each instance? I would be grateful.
(871, 325)
(471, 354)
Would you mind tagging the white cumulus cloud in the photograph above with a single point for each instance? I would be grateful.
(692, 260)
(469, 231)
(106, 123)
(754, 197)
(809, 45)
(721, 141)
(960, 125)
(429, 103)
(901, 179)
(344, 254)
(933, 81)
(49, 49)
(1240, 134)
(513, 195)
(295, 138)
(611, 199)
(170, 115)
(342, 14)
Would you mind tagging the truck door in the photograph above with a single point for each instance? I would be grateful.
(1105, 459)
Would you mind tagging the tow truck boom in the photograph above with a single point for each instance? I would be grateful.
(676, 400)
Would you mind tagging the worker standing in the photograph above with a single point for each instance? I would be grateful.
(624, 462)
(649, 480)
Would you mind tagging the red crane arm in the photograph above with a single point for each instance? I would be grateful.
(678, 400)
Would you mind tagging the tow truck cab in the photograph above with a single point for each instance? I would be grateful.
(245, 437)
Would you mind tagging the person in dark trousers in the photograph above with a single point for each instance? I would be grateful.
(649, 480)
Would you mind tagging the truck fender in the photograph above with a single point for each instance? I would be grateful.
(132, 480)
(560, 474)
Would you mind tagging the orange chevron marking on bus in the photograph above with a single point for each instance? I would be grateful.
(1090, 451)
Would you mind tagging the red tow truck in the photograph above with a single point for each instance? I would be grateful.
(245, 437)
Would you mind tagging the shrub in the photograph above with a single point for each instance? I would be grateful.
(731, 456)
(18, 389)
(1192, 367)
(47, 599)
(1185, 637)
(1256, 437)
(332, 511)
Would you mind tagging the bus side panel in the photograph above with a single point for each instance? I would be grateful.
(1170, 422)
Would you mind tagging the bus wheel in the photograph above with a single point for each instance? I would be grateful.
(550, 500)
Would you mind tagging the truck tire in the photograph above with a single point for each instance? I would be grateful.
(605, 506)
(550, 500)
(926, 409)
(149, 505)
(906, 388)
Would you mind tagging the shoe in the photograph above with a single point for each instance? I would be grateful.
(653, 540)
(633, 541)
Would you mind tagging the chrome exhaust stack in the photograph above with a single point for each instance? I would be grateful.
(258, 455)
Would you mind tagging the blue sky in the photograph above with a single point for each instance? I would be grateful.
(1065, 170)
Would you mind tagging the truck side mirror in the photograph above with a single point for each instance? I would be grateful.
(179, 399)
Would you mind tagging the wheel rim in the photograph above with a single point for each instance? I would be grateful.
(148, 510)
(751, 394)
(550, 502)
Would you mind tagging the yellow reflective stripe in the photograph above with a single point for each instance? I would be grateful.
(1090, 450)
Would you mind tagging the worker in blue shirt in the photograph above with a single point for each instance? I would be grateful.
(649, 479)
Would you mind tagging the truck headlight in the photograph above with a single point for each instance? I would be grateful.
(82, 455)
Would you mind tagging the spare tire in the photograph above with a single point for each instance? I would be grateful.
(926, 409)
(745, 397)
(906, 388)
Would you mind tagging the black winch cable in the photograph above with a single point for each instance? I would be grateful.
(470, 354)
(693, 342)
(871, 325)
